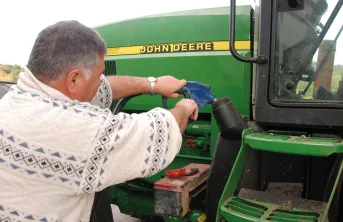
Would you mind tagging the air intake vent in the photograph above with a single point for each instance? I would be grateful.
(110, 68)
(292, 216)
(247, 208)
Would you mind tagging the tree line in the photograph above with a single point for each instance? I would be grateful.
(10, 72)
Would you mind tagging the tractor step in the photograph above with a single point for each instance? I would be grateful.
(280, 202)
(243, 210)
(286, 195)
(300, 145)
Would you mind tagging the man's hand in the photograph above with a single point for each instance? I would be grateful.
(191, 108)
(168, 85)
(183, 111)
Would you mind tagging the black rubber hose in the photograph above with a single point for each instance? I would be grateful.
(165, 99)
(122, 103)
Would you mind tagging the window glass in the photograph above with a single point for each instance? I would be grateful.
(309, 53)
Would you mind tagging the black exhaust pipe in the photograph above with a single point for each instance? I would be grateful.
(229, 121)
(231, 126)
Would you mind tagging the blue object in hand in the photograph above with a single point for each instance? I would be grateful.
(199, 92)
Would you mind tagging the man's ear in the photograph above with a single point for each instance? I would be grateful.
(73, 81)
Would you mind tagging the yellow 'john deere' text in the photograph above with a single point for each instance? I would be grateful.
(179, 47)
(183, 47)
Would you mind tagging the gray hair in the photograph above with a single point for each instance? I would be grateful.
(64, 46)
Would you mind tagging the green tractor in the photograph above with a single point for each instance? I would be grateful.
(269, 148)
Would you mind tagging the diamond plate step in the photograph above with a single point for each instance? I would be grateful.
(287, 195)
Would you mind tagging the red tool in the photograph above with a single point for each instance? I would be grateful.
(176, 173)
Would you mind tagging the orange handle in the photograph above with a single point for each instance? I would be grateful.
(181, 172)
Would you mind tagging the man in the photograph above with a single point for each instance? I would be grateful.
(59, 142)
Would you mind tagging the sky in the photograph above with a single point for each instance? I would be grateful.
(21, 20)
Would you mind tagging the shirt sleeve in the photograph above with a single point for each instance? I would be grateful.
(131, 146)
(103, 97)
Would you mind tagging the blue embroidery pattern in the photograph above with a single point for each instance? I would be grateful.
(107, 92)
(9, 214)
(103, 147)
(21, 157)
(158, 144)
(93, 169)
(77, 107)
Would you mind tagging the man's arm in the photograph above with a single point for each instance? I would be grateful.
(123, 86)
(135, 146)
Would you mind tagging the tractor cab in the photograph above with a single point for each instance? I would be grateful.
(294, 142)
(301, 43)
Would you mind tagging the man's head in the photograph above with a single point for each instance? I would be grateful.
(69, 57)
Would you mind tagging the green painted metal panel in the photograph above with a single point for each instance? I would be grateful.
(227, 77)
(203, 25)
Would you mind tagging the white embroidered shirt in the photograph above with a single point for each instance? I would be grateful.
(55, 153)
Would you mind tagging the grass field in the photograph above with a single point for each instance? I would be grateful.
(336, 77)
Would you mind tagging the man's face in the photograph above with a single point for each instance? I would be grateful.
(82, 89)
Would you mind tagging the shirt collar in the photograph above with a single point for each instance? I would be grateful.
(29, 83)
